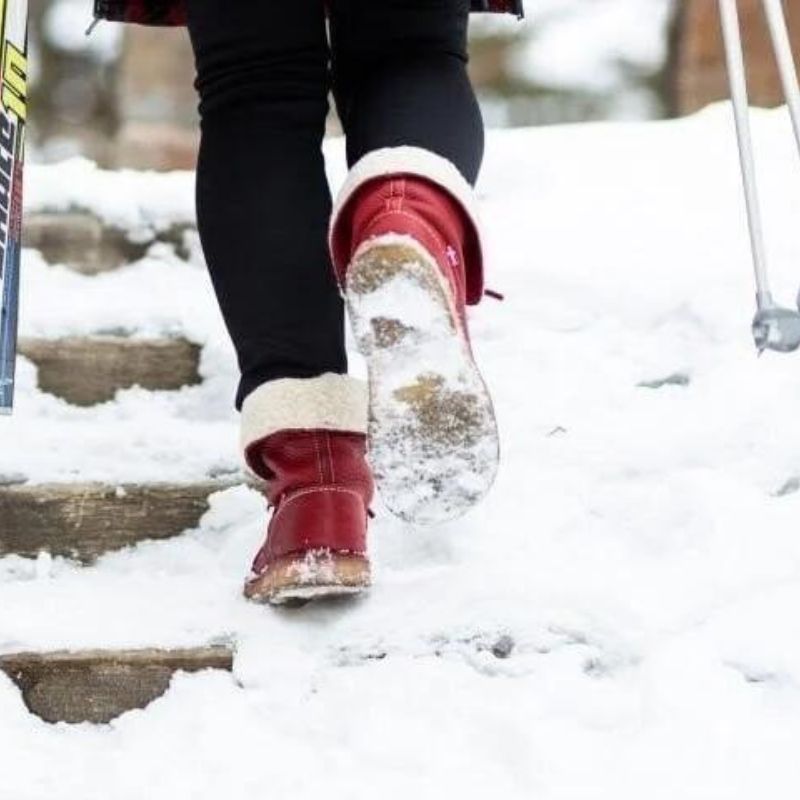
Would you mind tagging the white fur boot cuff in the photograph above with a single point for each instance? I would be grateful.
(407, 160)
(330, 402)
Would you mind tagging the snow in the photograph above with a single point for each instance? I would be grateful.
(65, 26)
(637, 547)
(595, 45)
(140, 202)
(598, 57)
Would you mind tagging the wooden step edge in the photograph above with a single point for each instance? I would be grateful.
(99, 685)
(83, 242)
(84, 521)
(88, 370)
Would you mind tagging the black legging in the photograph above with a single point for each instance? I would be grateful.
(398, 73)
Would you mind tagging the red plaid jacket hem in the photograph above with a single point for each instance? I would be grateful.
(173, 12)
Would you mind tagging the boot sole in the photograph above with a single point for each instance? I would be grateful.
(434, 446)
(296, 580)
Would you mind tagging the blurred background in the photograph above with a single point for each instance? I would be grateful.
(123, 95)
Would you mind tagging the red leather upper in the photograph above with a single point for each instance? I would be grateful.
(413, 206)
(321, 487)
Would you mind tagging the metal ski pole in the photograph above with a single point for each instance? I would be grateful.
(13, 98)
(774, 327)
(779, 33)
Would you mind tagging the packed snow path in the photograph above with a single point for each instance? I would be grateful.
(619, 620)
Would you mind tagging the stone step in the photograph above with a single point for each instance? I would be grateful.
(85, 520)
(83, 242)
(89, 370)
(97, 686)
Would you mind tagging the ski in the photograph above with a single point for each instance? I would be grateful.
(13, 105)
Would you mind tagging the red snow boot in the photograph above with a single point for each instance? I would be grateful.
(319, 484)
(407, 254)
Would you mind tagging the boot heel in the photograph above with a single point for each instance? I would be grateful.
(308, 558)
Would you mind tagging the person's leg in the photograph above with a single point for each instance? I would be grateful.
(406, 248)
(263, 202)
(400, 79)
(263, 209)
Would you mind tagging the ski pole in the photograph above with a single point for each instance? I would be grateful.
(774, 327)
(734, 54)
(779, 33)
(13, 99)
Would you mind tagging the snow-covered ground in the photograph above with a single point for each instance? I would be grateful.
(581, 58)
(638, 549)
(594, 45)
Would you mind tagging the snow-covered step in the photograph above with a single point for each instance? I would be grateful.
(97, 686)
(86, 520)
(82, 241)
(85, 371)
